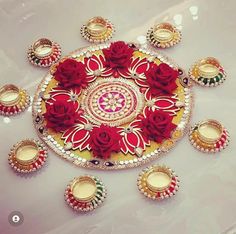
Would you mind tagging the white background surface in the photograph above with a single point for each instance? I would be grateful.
(206, 201)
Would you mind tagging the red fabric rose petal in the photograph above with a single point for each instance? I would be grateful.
(157, 125)
(118, 56)
(61, 115)
(104, 140)
(70, 73)
(161, 79)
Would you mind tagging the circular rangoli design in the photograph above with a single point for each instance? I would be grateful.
(112, 106)
(112, 101)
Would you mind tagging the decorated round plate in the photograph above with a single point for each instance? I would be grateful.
(112, 106)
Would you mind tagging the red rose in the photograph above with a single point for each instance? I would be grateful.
(104, 140)
(71, 73)
(161, 79)
(61, 115)
(157, 125)
(118, 55)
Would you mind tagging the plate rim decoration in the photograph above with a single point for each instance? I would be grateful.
(95, 163)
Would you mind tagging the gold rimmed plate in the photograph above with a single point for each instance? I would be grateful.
(27, 156)
(85, 193)
(97, 30)
(209, 136)
(13, 100)
(208, 72)
(164, 35)
(158, 182)
(101, 92)
(44, 52)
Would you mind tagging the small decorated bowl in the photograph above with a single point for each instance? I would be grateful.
(209, 136)
(158, 182)
(44, 52)
(27, 156)
(13, 100)
(97, 30)
(207, 72)
(163, 35)
(85, 193)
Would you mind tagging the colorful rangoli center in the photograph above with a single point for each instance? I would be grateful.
(112, 101)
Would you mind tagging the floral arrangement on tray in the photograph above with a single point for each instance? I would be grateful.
(112, 106)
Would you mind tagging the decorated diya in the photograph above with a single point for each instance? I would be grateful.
(44, 52)
(97, 30)
(208, 72)
(27, 156)
(13, 100)
(85, 193)
(158, 182)
(209, 136)
(163, 35)
(112, 106)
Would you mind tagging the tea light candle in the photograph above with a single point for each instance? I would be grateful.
(27, 156)
(42, 48)
(210, 131)
(97, 26)
(158, 181)
(163, 35)
(208, 70)
(9, 95)
(97, 30)
(85, 193)
(209, 136)
(84, 188)
(27, 152)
